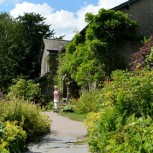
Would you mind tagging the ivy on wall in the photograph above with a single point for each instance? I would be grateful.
(92, 54)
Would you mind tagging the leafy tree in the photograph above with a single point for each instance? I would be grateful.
(110, 26)
(31, 30)
(93, 55)
(8, 63)
(21, 46)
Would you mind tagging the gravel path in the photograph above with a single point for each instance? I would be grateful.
(63, 137)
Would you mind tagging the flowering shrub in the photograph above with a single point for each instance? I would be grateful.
(29, 116)
(134, 136)
(92, 120)
(130, 92)
(124, 123)
(111, 133)
(13, 138)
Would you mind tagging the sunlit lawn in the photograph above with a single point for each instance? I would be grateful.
(74, 116)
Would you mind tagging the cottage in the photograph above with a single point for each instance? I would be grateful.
(51, 48)
(49, 65)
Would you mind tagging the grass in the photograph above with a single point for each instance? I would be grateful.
(74, 116)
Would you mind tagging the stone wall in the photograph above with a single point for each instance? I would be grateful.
(142, 12)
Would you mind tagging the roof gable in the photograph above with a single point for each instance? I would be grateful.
(54, 44)
(124, 5)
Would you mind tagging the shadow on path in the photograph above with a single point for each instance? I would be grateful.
(63, 137)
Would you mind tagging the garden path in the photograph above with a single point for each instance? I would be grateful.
(65, 137)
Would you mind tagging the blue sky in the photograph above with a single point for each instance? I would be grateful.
(7, 5)
(64, 16)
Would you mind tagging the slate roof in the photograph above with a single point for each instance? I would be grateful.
(124, 5)
(54, 44)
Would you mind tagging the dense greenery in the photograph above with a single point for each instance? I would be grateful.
(20, 55)
(124, 121)
(92, 54)
(121, 111)
(88, 102)
(8, 65)
(24, 89)
(20, 46)
(12, 138)
(20, 122)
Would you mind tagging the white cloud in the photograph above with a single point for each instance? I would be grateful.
(81, 14)
(63, 21)
(2, 1)
(110, 3)
(26, 7)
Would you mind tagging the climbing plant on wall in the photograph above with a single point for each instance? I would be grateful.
(92, 54)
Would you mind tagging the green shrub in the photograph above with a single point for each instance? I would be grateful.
(24, 89)
(99, 127)
(13, 138)
(88, 102)
(68, 108)
(3, 150)
(91, 120)
(28, 115)
(130, 92)
(133, 92)
(49, 106)
(134, 136)
(109, 132)
(125, 122)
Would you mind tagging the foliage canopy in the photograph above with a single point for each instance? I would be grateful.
(20, 46)
(91, 56)
(124, 120)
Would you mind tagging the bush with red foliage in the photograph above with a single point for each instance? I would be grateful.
(138, 59)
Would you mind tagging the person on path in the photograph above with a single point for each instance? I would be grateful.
(56, 98)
